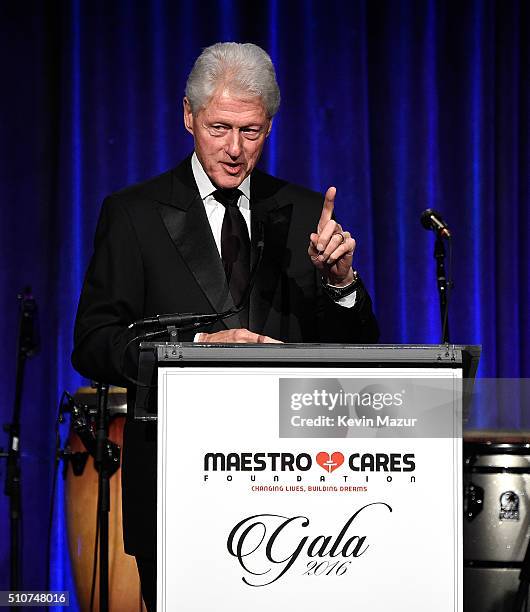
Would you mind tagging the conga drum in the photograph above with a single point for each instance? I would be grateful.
(81, 509)
(496, 517)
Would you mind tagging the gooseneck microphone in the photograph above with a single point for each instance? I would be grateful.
(189, 321)
(432, 220)
(178, 320)
(196, 320)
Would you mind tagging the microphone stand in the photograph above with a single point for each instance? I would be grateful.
(443, 286)
(106, 463)
(432, 220)
(27, 346)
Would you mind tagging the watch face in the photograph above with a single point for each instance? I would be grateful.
(337, 294)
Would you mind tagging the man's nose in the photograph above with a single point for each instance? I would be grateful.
(234, 143)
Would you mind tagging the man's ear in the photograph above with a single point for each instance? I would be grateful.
(188, 115)
(269, 128)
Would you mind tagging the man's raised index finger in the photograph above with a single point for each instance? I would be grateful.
(327, 209)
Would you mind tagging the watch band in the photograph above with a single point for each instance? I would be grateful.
(337, 293)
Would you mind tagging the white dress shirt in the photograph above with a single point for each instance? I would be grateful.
(215, 211)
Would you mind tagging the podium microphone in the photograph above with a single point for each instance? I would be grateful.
(196, 320)
(432, 220)
(178, 320)
(191, 321)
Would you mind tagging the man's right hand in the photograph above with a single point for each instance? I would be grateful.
(236, 336)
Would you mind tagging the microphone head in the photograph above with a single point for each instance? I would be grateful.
(426, 218)
(432, 220)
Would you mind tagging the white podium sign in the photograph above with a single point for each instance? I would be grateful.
(309, 489)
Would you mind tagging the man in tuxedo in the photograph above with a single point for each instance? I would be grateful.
(186, 241)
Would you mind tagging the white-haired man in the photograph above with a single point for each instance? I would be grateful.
(185, 242)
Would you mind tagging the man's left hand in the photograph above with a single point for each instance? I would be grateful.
(330, 248)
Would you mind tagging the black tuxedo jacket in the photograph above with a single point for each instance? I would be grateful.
(155, 253)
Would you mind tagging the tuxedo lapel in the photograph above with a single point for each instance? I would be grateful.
(185, 219)
(187, 224)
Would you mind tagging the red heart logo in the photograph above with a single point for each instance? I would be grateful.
(330, 462)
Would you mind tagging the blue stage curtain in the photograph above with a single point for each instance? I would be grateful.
(401, 105)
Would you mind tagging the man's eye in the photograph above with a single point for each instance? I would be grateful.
(251, 133)
(217, 129)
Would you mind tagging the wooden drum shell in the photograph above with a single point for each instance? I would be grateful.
(81, 506)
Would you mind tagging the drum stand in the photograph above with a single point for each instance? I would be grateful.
(106, 462)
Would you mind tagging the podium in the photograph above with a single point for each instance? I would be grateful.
(309, 477)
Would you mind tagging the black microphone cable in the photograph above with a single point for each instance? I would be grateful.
(51, 512)
(449, 285)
